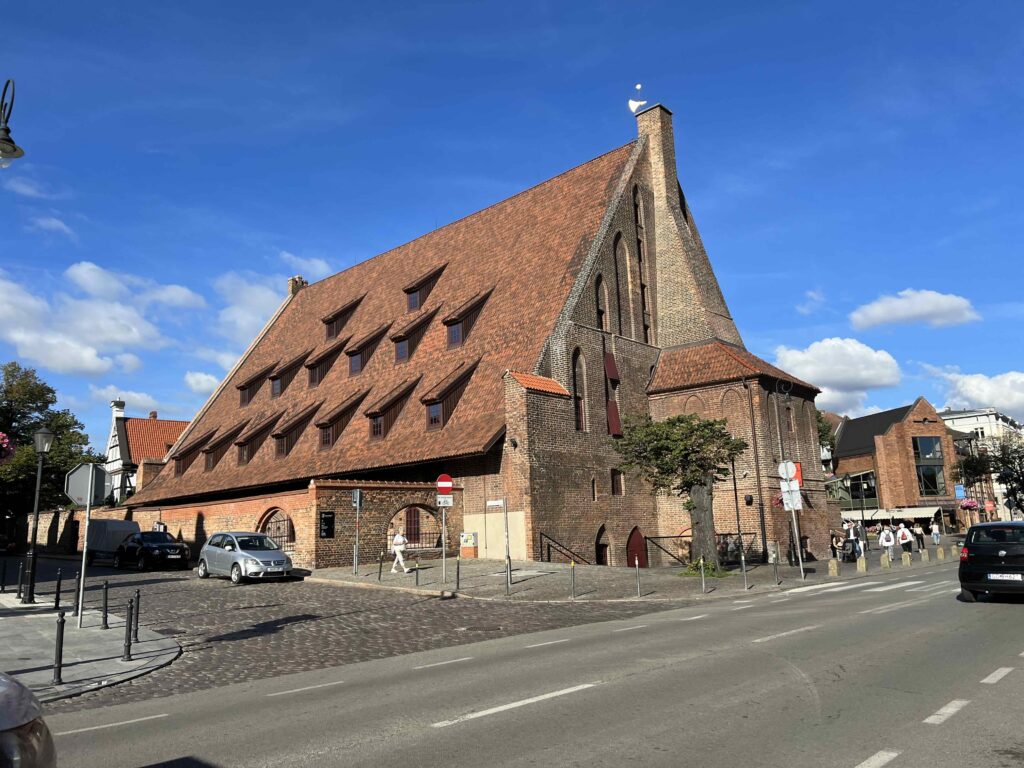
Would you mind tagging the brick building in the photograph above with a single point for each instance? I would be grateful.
(132, 443)
(900, 464)
(504, 349)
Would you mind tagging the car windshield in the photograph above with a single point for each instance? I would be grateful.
(157, 537)
(256, 543)
(1009, 534)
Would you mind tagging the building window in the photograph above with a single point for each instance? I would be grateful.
(401, 350)
(319, 371)
(593, 489)
(339, 318)
(418, 291)
(790, 425)
(455, 335)
(601, 302)
(359, 357)
(276, 387)
(355, 364)
(617, 489)
(334, 423)
(248, 393)
(376, 427)
(579, 390)
(435, 416)
(335, 325)
(413, 300)
(928, 449)
(928, 458)
(611, 395)
(289, 435)
(213, 456)
(460, 323)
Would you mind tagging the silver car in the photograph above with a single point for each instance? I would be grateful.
(242, 556)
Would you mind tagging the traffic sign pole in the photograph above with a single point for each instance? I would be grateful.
(444, 500)
(80, 597)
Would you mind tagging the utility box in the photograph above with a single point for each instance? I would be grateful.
(468, 546)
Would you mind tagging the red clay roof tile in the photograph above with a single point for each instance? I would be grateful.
(151, 438)
(536, 383)
(710, 363)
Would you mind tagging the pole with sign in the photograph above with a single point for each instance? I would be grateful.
(791, 502)
(86, 484)
(444, 500)
(357, 502)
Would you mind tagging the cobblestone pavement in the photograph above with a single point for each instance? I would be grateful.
(233, 634)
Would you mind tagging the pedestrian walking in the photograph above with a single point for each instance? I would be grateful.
(398, 547)
(836, 544)
(905, 539)
(936, 534)
(887, 541)
(919, 535)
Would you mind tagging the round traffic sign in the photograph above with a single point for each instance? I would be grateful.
(787, 470)
(444, 484)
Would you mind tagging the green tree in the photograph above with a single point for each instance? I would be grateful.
(26, 404)
(1008, 464)
(684, 455)
(974, 469)
(826, 434)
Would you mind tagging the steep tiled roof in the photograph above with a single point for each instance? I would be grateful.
(150, 438)
(525, 251)
(539, 383)
(711, 363)
(857, 436)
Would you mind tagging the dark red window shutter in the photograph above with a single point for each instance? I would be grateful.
(610, 369)
(614, 423)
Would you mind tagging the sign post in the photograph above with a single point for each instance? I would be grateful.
(791, 502)
(357, 502)
(86, 484)
(444, 500)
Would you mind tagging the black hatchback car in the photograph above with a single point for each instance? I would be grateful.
(151, 549)
(992, 560)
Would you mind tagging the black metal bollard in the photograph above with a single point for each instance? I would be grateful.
(636, 565)
(135, 616)
(572, 579)
(106, 590)
(78, 589)
(417, 573)
(380, 565)
(56, 594)
(21, 578)
(458, 564)
(127, 655)
(3, 576)
(58, 651)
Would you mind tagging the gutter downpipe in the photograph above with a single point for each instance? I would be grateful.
(757, 471)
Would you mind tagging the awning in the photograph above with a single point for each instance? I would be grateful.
(899, 513)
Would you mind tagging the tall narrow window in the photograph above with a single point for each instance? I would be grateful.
(611, 395)
(641, 250)
(579, 390)
(617, 485)
(931, 480)
(593, 489)
(601, 302)
(624, 292)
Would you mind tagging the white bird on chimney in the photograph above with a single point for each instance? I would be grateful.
(634, 104)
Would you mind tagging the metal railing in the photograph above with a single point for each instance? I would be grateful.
(684, 537)
(547, 543)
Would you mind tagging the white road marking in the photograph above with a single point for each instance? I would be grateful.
(904, 604)
(879, 759)
(627, 629)
(781, 601)
(704, 616)
(306, 688)
(109, 725)
(1022, 653)
(897, 585)
(998, 675)
(742, 601)
(807, 589)
(930, 587)
(741, 607)
(849, 586)
(514, 705)
(785, 634)
(442, 663)
(549, 642)
(947, 712)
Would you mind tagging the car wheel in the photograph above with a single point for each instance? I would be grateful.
(140, 564)
(968, 596)
(118, 561)
(202, 571)
(236, 574)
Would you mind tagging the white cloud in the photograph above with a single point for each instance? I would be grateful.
(128, 362)
(844, 369)
(107, 324)
(26, 187)
(1004, 391)
(251, 300)
(310, 268)
(225, 359)
(51, 224)
(173, 296)
(813, 301)
(201, 383)
(914, 306)
(103, 283)
(133, 401)
(95, 280)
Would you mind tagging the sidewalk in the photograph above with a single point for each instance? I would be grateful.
(92, 656)
(552, 582)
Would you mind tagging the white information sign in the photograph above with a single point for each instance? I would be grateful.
(446, 500)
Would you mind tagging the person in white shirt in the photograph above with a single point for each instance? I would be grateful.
(398, 547)
(905, 538)
(936, 533)
(887, 541)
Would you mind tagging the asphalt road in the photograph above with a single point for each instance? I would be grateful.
(890, 670)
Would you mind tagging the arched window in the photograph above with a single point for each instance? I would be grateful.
(579, 389)
(601, 301)
(624, 273)
(641, 239)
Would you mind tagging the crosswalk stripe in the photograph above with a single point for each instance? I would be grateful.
(897, 585)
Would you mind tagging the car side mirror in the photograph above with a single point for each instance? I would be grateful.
(229, 548)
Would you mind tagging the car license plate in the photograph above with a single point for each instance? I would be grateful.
(275, 569)
(1006, 577)
(175, 554)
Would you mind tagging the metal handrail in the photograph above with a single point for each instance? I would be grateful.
(651, 540)
(562, 549)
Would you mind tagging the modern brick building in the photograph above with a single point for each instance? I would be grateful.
(900, 464)
(504, 349)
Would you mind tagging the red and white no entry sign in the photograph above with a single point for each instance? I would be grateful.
(444, 484)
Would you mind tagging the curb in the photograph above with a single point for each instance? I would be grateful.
(133, 675)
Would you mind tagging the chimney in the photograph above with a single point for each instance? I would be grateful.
(296, 284)
(117, 408)
(152, 414)
(655, 123)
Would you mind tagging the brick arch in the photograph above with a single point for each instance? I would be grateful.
(731, 406)
(422, 525)
(602, 546)
(695, 404)
(278, 525)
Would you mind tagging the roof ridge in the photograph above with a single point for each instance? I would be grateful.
(739, 359)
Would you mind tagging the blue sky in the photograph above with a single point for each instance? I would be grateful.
(855, 171)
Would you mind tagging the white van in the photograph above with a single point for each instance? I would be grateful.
(105, 535)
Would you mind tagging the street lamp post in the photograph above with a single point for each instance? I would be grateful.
(43, 440)
(9, 151)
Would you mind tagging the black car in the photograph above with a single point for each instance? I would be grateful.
(992, 560)
(151, 549)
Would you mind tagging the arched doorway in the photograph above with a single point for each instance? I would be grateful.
(278, 526)
(636, 548)
(421, 525)
(601, 547)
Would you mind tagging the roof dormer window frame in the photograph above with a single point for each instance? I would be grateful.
(359, 353)
(336, 321)
(442, 399)
(249, 387)
(289, 433)
(333, 424)
(282, 377)
(407, 338)
(460, 322)
(385, 412)
(418, 290)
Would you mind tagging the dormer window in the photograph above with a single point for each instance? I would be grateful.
(215, 451)
(250, 387)
(187, 455)
(250, 442)
(360, 352)
(335, 322)
(321, 363)
(418, 290)
(444, 396)
(461, 321)
(282, 377)
(401, 350)
(408, 337)
(290, 432)
(385, 412)
(333, 424)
